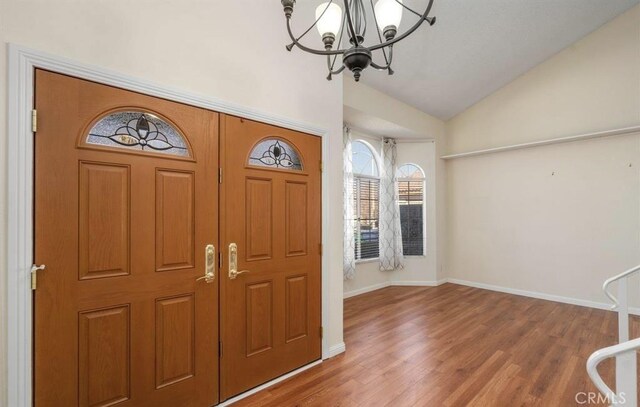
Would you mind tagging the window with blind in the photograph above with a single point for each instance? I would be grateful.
(410, 179)
(366, 197)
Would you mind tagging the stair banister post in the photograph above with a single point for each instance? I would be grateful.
(625, 362)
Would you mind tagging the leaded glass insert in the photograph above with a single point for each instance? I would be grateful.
(137, 130)
(275, 153)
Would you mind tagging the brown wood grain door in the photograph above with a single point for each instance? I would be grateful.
(271, 209)
(126, 204)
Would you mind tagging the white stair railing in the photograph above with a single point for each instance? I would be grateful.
(624, 351)
(621, 398)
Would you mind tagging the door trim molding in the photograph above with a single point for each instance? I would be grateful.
(22, 63)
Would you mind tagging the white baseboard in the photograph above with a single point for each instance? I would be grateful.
(417, 283)
(269, 384)
(335, 350)
(375, 287)
(507, 290)
(367, 289)
(540, 296)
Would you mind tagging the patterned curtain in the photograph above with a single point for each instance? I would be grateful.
(349, 262)
(391, 257)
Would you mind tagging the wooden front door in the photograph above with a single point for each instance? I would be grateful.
(271, 230)
(126, 215)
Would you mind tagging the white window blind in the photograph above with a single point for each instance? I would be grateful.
(366, 204)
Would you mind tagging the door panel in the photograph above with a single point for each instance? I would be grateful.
(259, 318)
(175, 222)
(104, 356)
(122, 219)
(296, 312)
(270, 208)
(175, 336)
(296, 227)
(104, 220)
(259, 215)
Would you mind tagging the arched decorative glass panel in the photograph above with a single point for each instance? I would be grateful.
(410, 171)
(364, 162)
(275, 153)
(137, 130)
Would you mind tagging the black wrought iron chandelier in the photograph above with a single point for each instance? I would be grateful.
(330, 22)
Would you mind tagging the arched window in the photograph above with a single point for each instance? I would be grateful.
(411, 186)
(366, 197)
(364, 160)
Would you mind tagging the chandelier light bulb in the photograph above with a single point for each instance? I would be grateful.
(330, 21)
(388, 14)
(354, 55)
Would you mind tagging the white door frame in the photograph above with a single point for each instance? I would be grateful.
(19, 233)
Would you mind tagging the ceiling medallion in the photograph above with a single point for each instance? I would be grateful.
(330, 22)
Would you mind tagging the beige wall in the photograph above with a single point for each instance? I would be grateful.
(214, 48)
(374, 103)
(562, 218)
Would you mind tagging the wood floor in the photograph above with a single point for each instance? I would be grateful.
(454, 346)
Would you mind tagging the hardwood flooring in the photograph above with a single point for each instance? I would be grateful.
(454, 346)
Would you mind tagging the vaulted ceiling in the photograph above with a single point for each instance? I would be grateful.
(478, 46)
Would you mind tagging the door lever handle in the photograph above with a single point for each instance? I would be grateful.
(233, 262)
(210, 264)
(34, 275)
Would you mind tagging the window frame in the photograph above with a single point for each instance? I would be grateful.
(356, 208)
(423, 180)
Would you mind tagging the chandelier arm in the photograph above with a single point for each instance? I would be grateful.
(354, 35)
(315, 22)
(425, 17)
(331, 71)
(385, 67)
(335, 57)
(375, 20)
(310, 50)
(409, 9)
(330, 66)
(404, 35)
(364, 30)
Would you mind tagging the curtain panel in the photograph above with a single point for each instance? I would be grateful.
(349, 257)
(390, 241)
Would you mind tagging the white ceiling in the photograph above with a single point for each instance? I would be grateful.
(478, 46)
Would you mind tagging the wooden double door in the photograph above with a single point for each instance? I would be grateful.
(181, 249)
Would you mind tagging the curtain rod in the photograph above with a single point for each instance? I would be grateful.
(607, 133)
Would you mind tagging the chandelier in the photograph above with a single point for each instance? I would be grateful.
(331, 23)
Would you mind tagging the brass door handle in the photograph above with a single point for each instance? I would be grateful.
(209, 264)
(233, 262)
